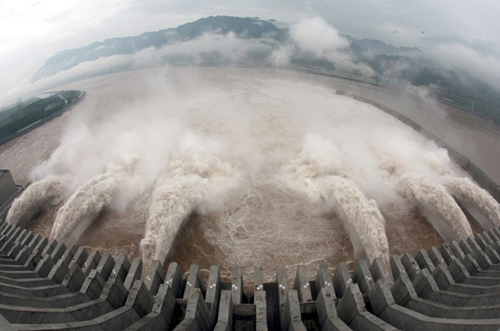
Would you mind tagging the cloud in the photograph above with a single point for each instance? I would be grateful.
(311, 36)
(208, 49)
(226, 49)
(460, 57)
(281, 56)
(35, 27)
(317, 37)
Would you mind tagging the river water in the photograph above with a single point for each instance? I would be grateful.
(228, 167)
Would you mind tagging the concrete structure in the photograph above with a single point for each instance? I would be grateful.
(7, 186)
(8, 191)
(45, 285)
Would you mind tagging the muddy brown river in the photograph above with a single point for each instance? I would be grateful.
(228, 167)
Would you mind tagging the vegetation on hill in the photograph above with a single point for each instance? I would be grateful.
(450, 86)
(19, 117)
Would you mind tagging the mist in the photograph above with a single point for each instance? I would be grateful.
(472, 61)
(316, 36)
(309, 41)
(243, 166)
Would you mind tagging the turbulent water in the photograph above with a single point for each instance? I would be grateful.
(321, 178)
(476, 200)
(437, 206)
(83, 207)
(246, 167)
(37, 196)
(362, 218)
(191, 184)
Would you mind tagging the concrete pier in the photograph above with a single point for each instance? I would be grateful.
(45, 285)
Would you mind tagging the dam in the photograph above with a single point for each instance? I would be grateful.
(48, 286)
(346, 296)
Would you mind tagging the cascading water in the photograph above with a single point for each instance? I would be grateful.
(437, 205)
(171, 203)
(266, 193)
(322, 177)
(85, 204)
(362, 218)
(83, 207)
(476, 200)
(186, 187)
(37, 196)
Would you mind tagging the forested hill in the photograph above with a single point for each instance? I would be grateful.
(19, 118)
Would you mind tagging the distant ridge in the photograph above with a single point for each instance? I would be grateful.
(254, 42)
(245, 28)
(242, 27)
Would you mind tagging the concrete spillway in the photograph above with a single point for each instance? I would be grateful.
(45, 285)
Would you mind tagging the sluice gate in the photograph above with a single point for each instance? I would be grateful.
(45, 285)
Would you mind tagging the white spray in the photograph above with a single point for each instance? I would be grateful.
(35, 198)
(195, 183)
(172, 202)
(436, 205)
(482, 206)
(85, 204)
(263, 115)
(322, 177)
(362, 218)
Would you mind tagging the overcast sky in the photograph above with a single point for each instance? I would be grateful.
(31, 30)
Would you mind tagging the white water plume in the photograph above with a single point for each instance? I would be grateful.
(436, 205)
(323, 178)
(197, 183)
(37, 196)
(362, 218)
(214, 146)
(172, 202)
(482, 206)
(85, 204)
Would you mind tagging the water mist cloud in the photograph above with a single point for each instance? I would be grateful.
(208, 49)
(245, 156)
(310, 37)
(91, 145)
(459, 57)
(316, 36)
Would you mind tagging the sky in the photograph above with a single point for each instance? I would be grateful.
(457, 33)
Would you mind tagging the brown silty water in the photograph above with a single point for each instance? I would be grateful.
(256, 122)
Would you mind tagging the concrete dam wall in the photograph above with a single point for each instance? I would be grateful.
(45, 285)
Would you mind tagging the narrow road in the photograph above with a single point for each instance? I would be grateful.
(63, 98)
